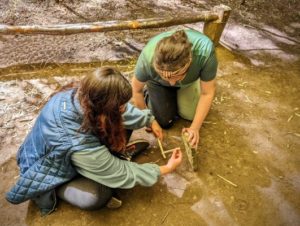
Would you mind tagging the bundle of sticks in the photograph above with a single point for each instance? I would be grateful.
(191, 152)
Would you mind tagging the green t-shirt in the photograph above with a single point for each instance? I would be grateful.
(204, 62)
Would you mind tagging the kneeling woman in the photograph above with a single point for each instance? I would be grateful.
(80, 131)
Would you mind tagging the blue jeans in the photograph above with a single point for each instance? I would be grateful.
(167, 103)
(85, 193)
(162, 101)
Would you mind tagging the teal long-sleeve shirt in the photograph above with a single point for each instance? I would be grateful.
(101, 166)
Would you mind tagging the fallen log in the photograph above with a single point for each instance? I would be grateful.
(67, 29)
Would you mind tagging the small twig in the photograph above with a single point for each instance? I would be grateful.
(129, 72)
(228, 181)
(242, 84)
(183, 189)
(25, 120)
(247, 99)
(290, 118)
(163, 220)
(272, 33)
(296, 134)
(209, 122)
(161, 148)
(74, 12)
(156, 161)
(176, 138)
(132, 46)
(168, 151)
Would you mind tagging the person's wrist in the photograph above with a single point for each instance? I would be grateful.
(151, 120)
(165, 169)
(197, 128)
(170, 167)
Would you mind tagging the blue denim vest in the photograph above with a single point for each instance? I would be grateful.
(45, 156)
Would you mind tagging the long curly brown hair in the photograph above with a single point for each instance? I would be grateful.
(101, 95)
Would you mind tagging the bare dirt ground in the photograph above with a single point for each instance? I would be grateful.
(251, 136)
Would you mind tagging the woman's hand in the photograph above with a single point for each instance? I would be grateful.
(175, 159)
(173, 162)
(193, 137)
(157, 130)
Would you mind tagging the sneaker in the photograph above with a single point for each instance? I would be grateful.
(134, 148)
(114, 203)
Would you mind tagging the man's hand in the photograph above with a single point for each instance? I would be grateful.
(157, 130)
(193, 137)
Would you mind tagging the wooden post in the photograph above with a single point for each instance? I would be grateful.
(214, 29)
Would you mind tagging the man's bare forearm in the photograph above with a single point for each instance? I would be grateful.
(138, 100)
(202, 110)
(138, 94)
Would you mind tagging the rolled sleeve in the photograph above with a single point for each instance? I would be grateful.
(134, 118)
(101, 166)
(209, 71)
(142, 69)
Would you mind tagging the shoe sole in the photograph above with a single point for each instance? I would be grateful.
(140, 146)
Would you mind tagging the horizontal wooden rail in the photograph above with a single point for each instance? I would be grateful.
(67, 29)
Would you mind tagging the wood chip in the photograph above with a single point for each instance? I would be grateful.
(247, 99)
(242, 84)
(290, 118)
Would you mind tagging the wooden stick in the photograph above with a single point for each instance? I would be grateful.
(161, 148)
(228, 181)
(67, 29)
(163, 220)
(168, 151)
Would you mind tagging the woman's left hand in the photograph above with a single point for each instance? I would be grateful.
(193, 137)
(157, 130)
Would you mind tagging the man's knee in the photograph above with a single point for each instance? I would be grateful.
(165, 123)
